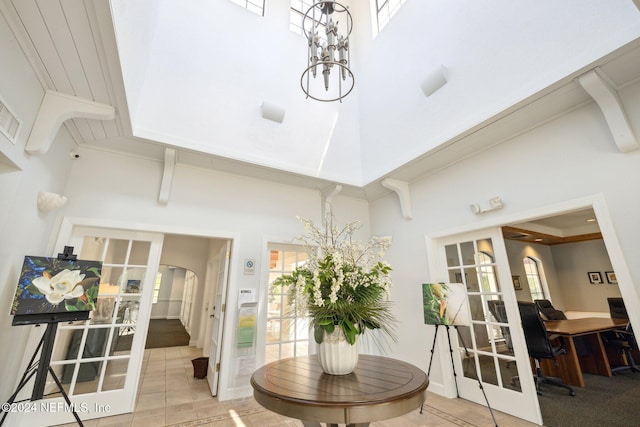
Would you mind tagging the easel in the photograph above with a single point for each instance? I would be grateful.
(45, 347)
(453, 366)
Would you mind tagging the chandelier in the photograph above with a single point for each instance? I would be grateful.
(328, 50)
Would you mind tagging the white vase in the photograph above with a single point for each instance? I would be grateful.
(336, 355)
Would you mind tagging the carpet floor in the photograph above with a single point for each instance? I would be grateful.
(166, 333)
(605, 401)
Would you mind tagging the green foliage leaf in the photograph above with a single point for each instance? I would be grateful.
(318, 333)
(33, 289)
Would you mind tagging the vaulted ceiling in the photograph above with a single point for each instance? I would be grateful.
(192, 76)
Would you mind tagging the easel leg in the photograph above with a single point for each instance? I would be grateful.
(433, 346)
(66, 398)
(26, 377)
(41, 368)
(453, 365)
(45, 359)
(466, 351)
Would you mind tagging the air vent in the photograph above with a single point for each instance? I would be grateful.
(9, 123)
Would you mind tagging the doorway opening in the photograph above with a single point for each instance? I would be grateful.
(567, 247)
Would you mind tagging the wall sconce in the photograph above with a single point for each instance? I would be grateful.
(494, 203)
(48, 202)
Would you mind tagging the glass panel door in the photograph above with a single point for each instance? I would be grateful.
(491, 350)
(98, 360)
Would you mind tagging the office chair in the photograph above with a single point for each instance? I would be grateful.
(539, 344)
(617, 308)
(622, 340)
(548, 310)
(496, 307)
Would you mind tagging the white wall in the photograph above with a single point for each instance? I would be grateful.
(569, 158)
(170, 294)
(23, 229)
(573, 262)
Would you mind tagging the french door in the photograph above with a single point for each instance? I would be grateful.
(98, 361)
(491, 351)
(219, 309)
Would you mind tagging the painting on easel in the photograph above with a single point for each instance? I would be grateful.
(445, 304)
(53, 285)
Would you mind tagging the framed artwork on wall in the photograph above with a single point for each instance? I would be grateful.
(516, 283)
(595, 278)
(611, 277)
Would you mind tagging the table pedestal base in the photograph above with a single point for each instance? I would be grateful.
(317, 424)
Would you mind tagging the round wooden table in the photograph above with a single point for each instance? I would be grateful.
(379, 388)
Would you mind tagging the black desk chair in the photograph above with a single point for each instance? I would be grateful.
(496, 307)
(621, 340)
(539, 344)
(548, 310)
(617, 308)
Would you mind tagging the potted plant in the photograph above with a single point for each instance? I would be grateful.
(344, 289)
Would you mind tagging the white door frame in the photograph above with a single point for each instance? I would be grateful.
(616, 255)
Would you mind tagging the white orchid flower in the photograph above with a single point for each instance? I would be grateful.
(64, 285)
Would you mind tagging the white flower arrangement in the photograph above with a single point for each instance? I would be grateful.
(344, 283)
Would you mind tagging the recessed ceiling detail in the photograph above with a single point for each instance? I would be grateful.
(194, 87)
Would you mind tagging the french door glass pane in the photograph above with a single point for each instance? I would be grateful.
(485, 346)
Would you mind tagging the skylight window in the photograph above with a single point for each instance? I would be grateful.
(296, 15)
(385, 9)
(9, 122)
(255, 6)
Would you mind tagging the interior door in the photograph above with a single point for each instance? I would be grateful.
(98, 361)
(491, 350)
(215, 348)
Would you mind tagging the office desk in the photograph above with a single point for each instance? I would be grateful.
(378, 389)
(572, 365)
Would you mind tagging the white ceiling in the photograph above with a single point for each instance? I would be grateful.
(387, 128)
(566, 225)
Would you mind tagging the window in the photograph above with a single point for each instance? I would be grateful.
(385, 9)
(9, 122)
(486, 272)
(287, 333)
(156, 287)
(296, 15)
(255, 6)
(532, 267)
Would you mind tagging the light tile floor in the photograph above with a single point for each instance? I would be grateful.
(169, 395)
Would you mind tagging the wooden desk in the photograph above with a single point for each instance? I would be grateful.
(378, 389)
(572, 365)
